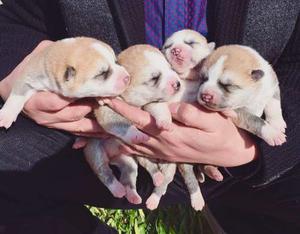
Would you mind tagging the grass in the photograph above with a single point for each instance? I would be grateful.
(172, 220)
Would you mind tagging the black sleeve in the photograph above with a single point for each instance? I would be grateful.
(23, 24)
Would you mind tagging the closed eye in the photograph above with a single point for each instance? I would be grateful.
(190, 42)
(228, 87)
(103, 74)
(167, 46)
(155, 78)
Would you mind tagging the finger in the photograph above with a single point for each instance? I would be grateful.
(83, 126)
(79, 143)
(194, 115)
(141, 119)
(73, 112)
(47, 101)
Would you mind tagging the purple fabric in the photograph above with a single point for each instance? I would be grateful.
(164, 17)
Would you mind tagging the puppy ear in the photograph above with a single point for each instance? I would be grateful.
(70, 73)
(211, 46)
(257, 74)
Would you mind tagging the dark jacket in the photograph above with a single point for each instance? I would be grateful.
(270, 26)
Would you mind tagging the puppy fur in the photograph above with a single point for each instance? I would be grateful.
(237, 78)
(73, 67)
(152, 81)
(184, 50)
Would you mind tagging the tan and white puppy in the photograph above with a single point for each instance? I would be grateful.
(184, 50)
(73, 67)
(152, 81)
(237, 78)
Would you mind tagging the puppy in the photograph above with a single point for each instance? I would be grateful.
(152, 81)
(237, 81)
(73, 67)
(184, 50)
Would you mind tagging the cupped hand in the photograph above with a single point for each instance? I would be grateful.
(51, 110)
(197, 136)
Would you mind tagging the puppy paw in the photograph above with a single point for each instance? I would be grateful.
(132, 196)
(273, 136)
(213, 172)
(197, 201)
(117, 189)
(6, 118)
(135, 136)
(278, 123)
(152, 202)
(158, 178)
(164, 124)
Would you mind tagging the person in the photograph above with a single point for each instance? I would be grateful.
(44, 182)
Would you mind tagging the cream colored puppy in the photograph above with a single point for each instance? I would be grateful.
(152, 81)
(73, 67)
(237, 78)
(184, 50)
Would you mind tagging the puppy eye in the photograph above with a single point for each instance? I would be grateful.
(104, 74)
(190, 42)
(155, 78)
(167, 46)
(203, 78)
(227, 87)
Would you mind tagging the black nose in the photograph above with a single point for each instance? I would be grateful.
(178, 85)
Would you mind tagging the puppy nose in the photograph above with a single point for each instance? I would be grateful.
(175, 51)
(207, 97)
(126, 79)
(176, 85)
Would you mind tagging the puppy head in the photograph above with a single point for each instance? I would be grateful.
(86, 67)
(231, 76)
(152, 78)
(185, 49)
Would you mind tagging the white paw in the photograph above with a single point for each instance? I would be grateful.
(164, 124)
(6, 118)
(117, 189)
(278, 123)
(153, 201)
(158, 178)
(135, 136)
(197, 201)
(273, 136)
(132, 196)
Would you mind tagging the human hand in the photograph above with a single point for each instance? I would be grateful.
(198, 136)
(51, 110)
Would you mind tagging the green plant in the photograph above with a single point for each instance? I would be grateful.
(172, 220)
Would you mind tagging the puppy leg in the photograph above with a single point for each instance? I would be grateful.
(99, 162)
(168, 170)
(153, 169)
(117, 125)
(273, 112)
(192, 184)
(14, 104)
(256, 125)
(161, 114)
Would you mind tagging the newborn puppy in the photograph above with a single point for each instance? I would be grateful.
(152, 80)
(73, 67)
(184, 50)
(237, 81)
